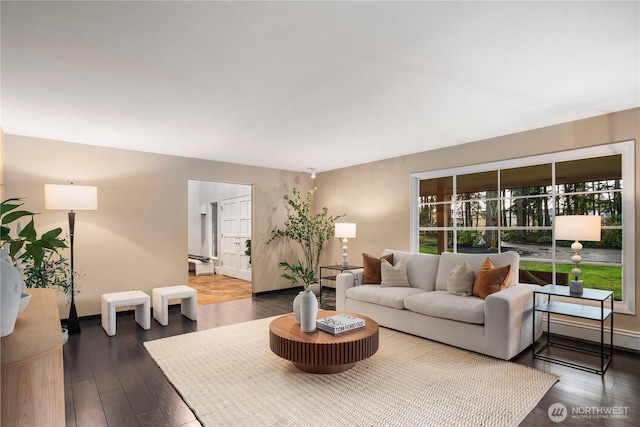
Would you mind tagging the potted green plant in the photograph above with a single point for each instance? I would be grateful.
(20, 248)
(25, 244)
(310, 231)
(247, 250)
(53, 272)
(298, 271)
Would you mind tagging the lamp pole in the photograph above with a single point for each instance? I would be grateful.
(74, 323)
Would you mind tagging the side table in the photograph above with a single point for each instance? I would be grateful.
(578, 310)
(339, 268)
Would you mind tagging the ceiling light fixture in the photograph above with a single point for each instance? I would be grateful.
(313, 173)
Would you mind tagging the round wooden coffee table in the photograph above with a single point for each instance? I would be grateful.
(321, 352)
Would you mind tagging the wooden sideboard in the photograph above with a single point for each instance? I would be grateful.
(32, 367)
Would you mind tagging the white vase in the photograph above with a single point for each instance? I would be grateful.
(308, 311)
(11, 283)
(296, 306)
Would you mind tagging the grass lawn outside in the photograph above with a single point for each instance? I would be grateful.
(608, 278)
(603, 277)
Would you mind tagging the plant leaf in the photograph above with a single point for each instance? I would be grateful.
(52, 234)
(4, 233)
(7, 205)
(35, 251)
(13, 216)
(14, 248)
(29, 232)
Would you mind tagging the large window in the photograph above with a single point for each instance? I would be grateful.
(511, 206)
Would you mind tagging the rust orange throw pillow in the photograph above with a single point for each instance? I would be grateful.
(490, 279)
(372, 269)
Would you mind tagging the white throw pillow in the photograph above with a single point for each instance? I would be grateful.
(394, 275)
(421, 268)
(460, 280)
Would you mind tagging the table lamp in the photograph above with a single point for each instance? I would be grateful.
(345, 231)
(577, 227)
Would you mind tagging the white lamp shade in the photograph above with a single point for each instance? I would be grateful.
(578, 227)
(346, 230)
(71, 197)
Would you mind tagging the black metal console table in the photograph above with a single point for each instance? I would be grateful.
(339, 268)
(578, 310)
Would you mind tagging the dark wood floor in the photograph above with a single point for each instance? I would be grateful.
(112, 381)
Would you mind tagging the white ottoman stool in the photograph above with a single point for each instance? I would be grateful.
(122, 299)
(161, 297)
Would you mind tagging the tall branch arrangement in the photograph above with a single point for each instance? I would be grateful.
(311, 231)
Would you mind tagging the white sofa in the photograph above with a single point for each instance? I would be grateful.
(499, 326)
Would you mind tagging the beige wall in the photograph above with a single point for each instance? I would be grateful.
(376, 195)
(138, 236)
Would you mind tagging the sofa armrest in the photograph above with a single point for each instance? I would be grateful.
(508, 320)
(345, 280)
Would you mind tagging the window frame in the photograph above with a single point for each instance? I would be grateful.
(626, 149)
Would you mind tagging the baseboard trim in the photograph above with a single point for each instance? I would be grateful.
(628, 340)
(291, 290)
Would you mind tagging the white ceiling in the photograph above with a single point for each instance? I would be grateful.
(294, 85)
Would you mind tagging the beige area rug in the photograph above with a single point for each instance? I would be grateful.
(229, 377)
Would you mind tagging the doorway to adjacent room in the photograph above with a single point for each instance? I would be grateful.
(219, 228)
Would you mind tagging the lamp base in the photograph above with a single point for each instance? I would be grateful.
(345, 264)
(576, 286)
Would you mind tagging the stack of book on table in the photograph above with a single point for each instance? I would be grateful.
(339, 323)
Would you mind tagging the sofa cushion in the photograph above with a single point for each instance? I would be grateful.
(371, 265)
(491, 279)
(421, 268)
(394, 275)
(447, 306)
(448, 261)
(460, 280)
(376, 294)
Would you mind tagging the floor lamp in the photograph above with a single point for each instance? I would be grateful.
(71, 198)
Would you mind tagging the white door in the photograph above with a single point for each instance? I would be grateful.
(235, 224)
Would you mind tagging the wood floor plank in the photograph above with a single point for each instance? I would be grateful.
(153, 418)
(140, 397)
(175, 410)
(79, 357)
(88, 406)
(69, 406)
(117, 409)
(105, 375)
(605, 392)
